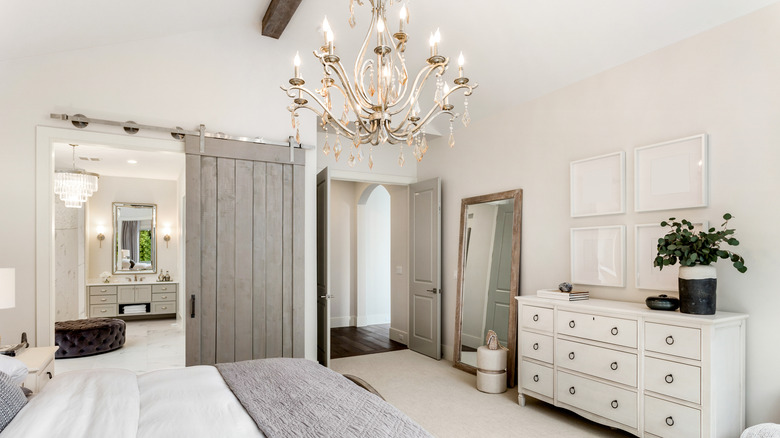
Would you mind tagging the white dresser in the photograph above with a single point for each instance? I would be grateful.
(651, 373)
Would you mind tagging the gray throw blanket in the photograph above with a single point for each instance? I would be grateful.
(300, 398)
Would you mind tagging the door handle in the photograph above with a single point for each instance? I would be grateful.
(192, 304)
(326, 296)
(433, 291)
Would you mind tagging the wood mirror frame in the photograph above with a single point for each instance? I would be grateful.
(517, 196)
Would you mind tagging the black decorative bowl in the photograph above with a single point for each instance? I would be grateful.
(663, 302)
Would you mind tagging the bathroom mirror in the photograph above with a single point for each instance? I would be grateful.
(488, 276)
(135, 242)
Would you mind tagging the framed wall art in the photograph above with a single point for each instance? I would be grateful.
(598, 255)
(646, 248)
(671, 174)
(598, 185)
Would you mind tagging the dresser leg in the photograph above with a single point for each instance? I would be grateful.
(521, 399)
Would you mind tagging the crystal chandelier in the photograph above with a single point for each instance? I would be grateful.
(380, 103)
(74, 186)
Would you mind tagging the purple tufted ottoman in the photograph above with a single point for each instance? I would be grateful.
(87, 337)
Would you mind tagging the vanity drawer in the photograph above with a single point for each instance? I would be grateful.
(164, 297)
(673, 379)
(598, 328)
(608, 401)
(102, 310)
(670, 420)
(536, 346)
(674, 340)
(102, 290)
(159, 288)
(601, 362)
(537, 378)
(108, 299)
(165, 307)
(538, 318)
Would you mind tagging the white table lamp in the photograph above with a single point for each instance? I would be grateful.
(7, 288)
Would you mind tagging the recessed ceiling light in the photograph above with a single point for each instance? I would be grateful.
(132, 162)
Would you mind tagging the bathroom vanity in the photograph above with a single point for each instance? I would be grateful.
(133, 300)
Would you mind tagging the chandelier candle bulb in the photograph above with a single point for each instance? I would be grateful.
(460, 65)
(404, 16)
(329, 39)
(297, 64)
(326, 29)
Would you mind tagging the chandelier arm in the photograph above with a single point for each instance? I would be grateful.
(362, 56)
(320, 104)
(417, 87)
(354, 100)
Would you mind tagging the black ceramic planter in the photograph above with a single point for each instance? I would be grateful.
(697, 286)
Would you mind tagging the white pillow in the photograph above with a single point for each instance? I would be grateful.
(15, 368)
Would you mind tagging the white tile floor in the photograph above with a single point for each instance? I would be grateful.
(149, 345)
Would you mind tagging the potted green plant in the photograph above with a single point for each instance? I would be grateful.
(696, 252)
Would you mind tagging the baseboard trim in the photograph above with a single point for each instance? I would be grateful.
(447, 352)
(399, 336)
(363, 321)
(342, 321)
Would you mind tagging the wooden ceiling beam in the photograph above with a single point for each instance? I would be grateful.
(277, 16)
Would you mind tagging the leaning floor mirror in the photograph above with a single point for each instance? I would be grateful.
(488, 276)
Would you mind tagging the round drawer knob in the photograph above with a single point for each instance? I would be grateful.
(614, 404)
(163, 297)
(669, 378)
(571, 355)
(103, 310)
(571, 324)
(164, 308)
(536, 346)
(536, 318)
(572, 391)
(536, 377)
(669, 341)
(614, 331)
(104, 299)
(614, 366)
(669, 421)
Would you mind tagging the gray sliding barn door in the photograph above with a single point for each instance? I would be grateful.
(244, 252)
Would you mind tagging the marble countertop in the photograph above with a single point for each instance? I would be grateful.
(127, 283)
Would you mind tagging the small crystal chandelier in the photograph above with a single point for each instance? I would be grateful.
(74, 186)
(383, 105)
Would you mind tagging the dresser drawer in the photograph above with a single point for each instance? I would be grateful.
(673, 379)
(158, 288)
(670, 420)
(164, 307)
(102, 310)
(674, 340)
(616, 366)
(537, 378)
(35, 381)
(598, 328)
(106, 299)
(536, 346)
(538, 318)
(164, 297)
(102, 290)
(617, 404)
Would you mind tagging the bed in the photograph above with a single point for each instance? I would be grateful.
(259, 398)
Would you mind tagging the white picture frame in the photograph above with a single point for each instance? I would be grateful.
(648, 276)
(598, 255)
(672, 174)
(597, 185)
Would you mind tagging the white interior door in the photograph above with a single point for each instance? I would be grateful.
(500, 288)
(425, 265)
(323, 268)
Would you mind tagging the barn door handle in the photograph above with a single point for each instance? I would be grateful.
(192, 304)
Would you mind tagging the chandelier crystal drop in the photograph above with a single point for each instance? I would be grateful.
(74, 186)
(381, 102)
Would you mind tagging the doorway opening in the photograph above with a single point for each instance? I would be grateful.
(367, 248)
(132, 170)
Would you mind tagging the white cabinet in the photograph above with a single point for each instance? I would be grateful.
(40, 367)
(110, 301)
(651, 373)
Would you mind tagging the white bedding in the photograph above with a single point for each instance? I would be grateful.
(188, 402)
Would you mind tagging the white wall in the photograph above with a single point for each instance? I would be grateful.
(343, 254)
(374, 237)
(723, 82)
(226, 78)
(133, 190)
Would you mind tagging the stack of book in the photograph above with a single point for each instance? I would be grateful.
(555, 294)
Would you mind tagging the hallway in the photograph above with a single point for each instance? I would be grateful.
(357, 341)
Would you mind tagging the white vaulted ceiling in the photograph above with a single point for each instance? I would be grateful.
(516, 50)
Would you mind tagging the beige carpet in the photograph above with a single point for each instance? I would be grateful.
(445, 401)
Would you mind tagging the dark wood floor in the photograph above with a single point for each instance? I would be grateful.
(356, 341)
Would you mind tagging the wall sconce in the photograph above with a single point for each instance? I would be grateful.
(100, 235)
(167, 235)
